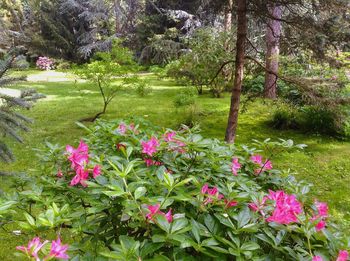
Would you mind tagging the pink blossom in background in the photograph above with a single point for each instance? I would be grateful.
(33, 247)
(169, 216)
(287, 207)
(321, 215)
(320, 225)
(155, 210)
(322, 208)
(81, 176)
(151, 162)
(122, 128)
(59, 174)
(204, 189)
(235, 166)
(169, 136)
(150, 147)
(230, 203)
(257, 159)
(96, 171)
(343, 255)
(317, 258)
(44, 63)
(58, 250)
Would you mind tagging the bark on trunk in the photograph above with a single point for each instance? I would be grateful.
(239, 70)
(273, 34)
(227, 72)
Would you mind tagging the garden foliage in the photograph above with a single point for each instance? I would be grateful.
(135, 192)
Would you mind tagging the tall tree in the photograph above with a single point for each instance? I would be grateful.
(273, 34)
(242, 29)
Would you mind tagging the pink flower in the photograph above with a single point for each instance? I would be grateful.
(59, 174)
(322, 208)
(78, 156)
(204, 189)
(122, 128)
(343, 255)
(287, 207)
(257, 159)
(169, 216)
(153, 210)
(317, 258)
(150, 162)
(213, 191)
(320, 225)
(230, 203)
(58, 250)
(33, 247)
(150, 147)
(80, 177)
(235, 166)
(96, 171)
(168, 137)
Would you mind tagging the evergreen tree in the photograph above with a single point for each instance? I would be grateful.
(10, 120)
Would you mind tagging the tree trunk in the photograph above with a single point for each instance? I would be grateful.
(227, 72)
(273, 34)
(242, 29)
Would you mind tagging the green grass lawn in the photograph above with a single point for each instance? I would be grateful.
(325, 162)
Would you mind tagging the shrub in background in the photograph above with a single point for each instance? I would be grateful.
(135, 192)
(20, 63)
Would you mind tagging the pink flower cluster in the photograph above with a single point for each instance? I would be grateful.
(175, 144)
(150, 147)
(321, 215)
(212, 195)
(264, 165)
(155, 210)
(57, 250)
(235, 166)
(79, 159)
(123, 128)
(287, 207)
(343, 255)
(151, 162)
(44, 63)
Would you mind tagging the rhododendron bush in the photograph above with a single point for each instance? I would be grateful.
(131, 191)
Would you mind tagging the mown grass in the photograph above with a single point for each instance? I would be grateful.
(325, 162)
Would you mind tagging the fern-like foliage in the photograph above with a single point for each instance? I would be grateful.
(11, 122)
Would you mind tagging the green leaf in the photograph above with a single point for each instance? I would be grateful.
(139, 192)
(250, 246)
(163, 223)
(30, 219)
(195, 230)
(113, 193)
(178, 224)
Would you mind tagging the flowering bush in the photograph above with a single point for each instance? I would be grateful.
(44, 63)
(135, 192)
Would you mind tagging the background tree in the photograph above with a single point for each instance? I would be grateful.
(11, 121)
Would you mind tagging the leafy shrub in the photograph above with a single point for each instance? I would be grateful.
(132, 192)
(61, 64)
(141, 86)
(320, 120)
(186, 97)
(312, 119)
(20, 63)
(285, 118)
